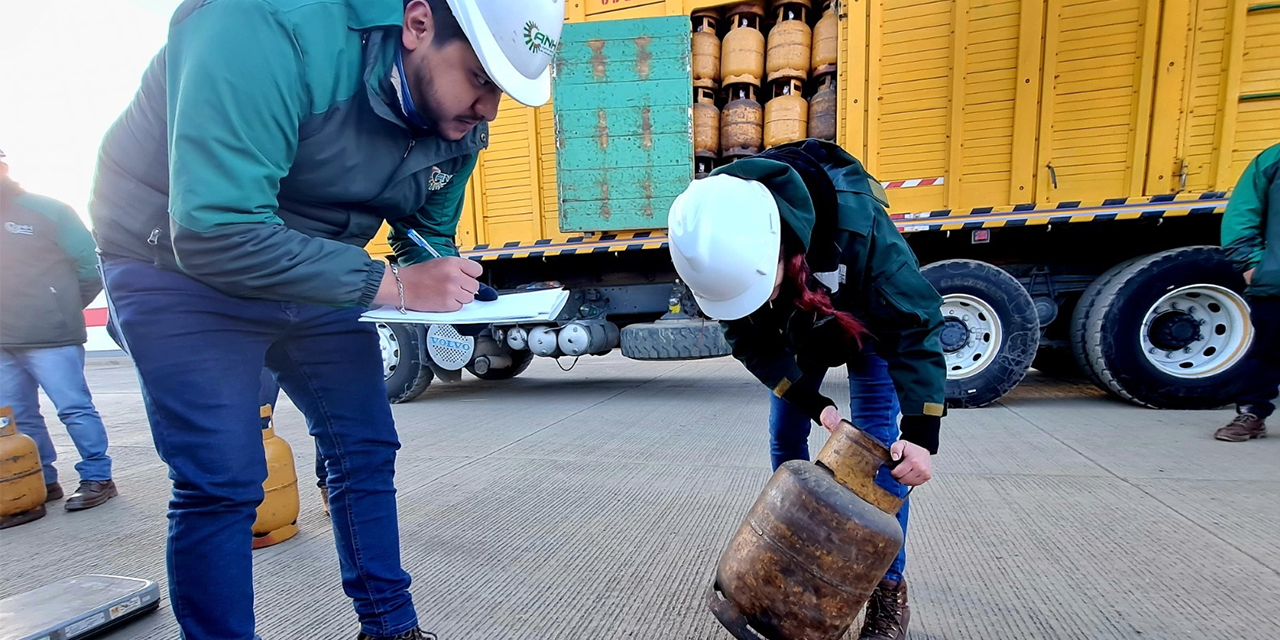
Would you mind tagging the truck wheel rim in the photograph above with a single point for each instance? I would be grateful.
(1196, 331)
(389, 344)
(979, 327)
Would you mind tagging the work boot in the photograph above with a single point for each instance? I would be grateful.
(412, 634)
(52, 491)
(887, 612)
(1245, 426)
(15, 519)
(91, 494)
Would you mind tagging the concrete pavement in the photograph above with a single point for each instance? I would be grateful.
(594, 503)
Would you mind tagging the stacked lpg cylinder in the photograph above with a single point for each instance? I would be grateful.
(736, 66)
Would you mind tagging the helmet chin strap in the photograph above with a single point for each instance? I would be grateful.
(406, 99)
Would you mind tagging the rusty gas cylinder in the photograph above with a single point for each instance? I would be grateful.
(790, 40)
(742, 52)
(813, 547)
(706, 49)
(706, 130)
(826, 41)
(822, 110)
(741, 123)
(786, 116)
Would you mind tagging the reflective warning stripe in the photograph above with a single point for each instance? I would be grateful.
(1165, 206)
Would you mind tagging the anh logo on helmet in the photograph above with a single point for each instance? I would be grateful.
(537, 41)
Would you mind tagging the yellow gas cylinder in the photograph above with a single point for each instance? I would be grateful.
(742, 53)
(826, 40)
(706, 131)
(741, 124)
(789, 41)
(786, 116)
(706, 49)
(22, 490)
(278, 514)
(822, 110)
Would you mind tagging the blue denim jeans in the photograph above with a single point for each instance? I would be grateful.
(60, 372)
(199, 355)
(873, 407)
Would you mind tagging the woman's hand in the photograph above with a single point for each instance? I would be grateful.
(830, 418)
(916, 467)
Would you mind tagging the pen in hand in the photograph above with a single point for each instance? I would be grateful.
(486, 293)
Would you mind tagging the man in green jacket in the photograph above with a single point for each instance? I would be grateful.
(1251, 236)
(268, 142)
(48, 275)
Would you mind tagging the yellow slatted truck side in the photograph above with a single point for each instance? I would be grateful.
(1059, 166)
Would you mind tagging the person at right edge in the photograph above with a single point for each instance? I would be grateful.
(1251, 237)
(793, 250)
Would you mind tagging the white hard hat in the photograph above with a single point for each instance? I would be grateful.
(725, 236)
(515, 42)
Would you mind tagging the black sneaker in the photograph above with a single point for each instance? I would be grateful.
(412, 634)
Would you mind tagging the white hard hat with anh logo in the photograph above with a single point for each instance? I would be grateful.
(515, 42)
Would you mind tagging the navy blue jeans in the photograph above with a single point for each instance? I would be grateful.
(60, 372)
(873, 407)
(199, 355)
(1264, 357)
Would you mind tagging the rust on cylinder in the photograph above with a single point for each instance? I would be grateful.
(598, 61)
(644, 57)
(602, 128)
(741, 124)
(822, 110)
(812, 548)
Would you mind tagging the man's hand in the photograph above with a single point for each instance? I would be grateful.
(443, 284)
(916, 467)
(830, 418)
(1248, 276)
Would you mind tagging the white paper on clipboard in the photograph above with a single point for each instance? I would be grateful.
(509, 308)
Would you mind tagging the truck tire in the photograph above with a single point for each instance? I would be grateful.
(520, 360)
(402, 367)
(1080, 320)
(690, 339)
(991, 330)
(1171, 331)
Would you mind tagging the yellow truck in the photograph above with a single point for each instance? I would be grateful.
(1059, 167)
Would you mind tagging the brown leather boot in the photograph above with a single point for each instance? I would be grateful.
(52, 491)
(887, 612)
(91, 494)
(1245, 426)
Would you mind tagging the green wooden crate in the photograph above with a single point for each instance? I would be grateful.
(624, 130)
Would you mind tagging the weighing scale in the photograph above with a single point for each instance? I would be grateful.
(79, 607)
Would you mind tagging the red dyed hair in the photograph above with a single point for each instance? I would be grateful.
(818, 301)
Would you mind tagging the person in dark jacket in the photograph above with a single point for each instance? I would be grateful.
(1251, 237)
(793, 251)
(267, 144)
(48, 275)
